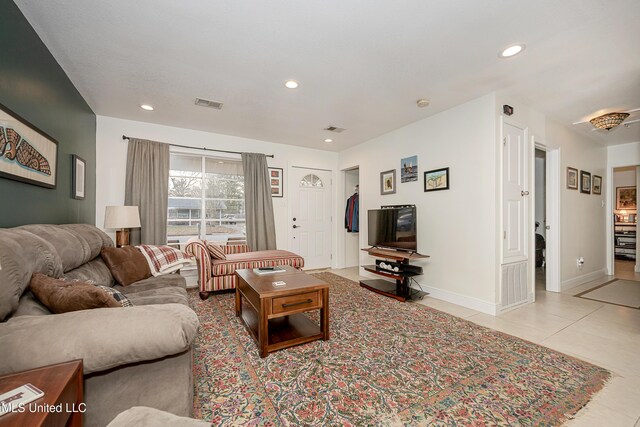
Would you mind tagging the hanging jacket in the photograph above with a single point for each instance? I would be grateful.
(352, 214)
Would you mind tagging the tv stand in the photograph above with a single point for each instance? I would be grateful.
(401, 289)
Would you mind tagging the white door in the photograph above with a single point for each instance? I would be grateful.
(310, 216)
(516, 195)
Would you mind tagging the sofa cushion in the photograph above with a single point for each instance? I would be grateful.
(170, 288)
(61, 296)
(95, 270)
(255, 259)
(30, 306)
(22, 253)
(142, 416)
(127, 264)
(216, 251)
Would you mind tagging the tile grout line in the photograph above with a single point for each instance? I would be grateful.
(573, 323)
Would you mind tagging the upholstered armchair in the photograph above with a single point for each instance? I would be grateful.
(215, 274)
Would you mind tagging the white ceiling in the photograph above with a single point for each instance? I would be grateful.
(361, 64)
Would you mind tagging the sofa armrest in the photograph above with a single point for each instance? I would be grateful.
(236, 248)
(199, 251)
(103, 338)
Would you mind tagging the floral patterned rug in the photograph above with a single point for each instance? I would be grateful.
(387, 364)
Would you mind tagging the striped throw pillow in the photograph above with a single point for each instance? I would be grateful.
(216, 251)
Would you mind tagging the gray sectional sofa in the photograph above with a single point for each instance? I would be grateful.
(133, 356)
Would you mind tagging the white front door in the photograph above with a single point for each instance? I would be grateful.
(310, 216)
(516, 195)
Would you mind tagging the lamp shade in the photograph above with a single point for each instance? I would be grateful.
(121, 217)
(609, 121)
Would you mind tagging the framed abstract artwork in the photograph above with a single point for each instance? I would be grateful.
(626, 198)
(437, 179)
(26, 153)
(79, 177)
(275, 180)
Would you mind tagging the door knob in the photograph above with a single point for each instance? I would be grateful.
(524, 193)
(294, 219)
(548, 227)
(296, 226)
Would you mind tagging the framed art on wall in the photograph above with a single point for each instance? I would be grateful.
(625, 197)
(26, 153)
(596, 185)
(275, 180)
(437, 179)
(585, 182)
(79, 176)
(409, 169)
(572, 178)
(388, 182)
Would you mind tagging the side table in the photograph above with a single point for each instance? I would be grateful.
(62, 403)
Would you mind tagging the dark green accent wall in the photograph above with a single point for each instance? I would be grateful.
(33, 85)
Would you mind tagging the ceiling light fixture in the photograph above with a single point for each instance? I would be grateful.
(608, 121)
(511, 51)
(147, 107)
(328, 140)
(422, 102)
(291, 84)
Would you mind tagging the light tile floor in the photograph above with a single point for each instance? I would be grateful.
(603, 334)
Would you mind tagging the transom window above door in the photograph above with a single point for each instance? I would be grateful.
(206, 198)
(311, 180)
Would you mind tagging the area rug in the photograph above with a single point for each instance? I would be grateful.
(619, 292)
(387, 364)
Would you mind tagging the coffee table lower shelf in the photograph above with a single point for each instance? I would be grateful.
(285, 331)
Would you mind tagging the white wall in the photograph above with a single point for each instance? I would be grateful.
(111, 157)
(456, 227)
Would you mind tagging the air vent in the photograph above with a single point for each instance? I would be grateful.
(334, 129)
(211, 104)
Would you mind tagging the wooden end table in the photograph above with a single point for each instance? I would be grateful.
(273, 314)
(62, 387)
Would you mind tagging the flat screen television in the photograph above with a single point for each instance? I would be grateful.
(393, 227)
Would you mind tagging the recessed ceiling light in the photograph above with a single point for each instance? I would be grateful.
(220, 161)
(146, 107)
(328, 140)
(511, 51)
(291, 84)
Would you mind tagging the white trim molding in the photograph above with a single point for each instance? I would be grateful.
(581, 280)
(461, 300)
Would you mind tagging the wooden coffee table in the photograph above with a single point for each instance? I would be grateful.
(62, 387)
(273, 314)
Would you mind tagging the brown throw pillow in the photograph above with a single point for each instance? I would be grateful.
(61, 297)
(216, 251)
(127, 264)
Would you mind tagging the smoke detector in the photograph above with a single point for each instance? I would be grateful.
(207, 103)
(422, 103)
(334, 129)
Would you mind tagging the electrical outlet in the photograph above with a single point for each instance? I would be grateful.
(580, 263)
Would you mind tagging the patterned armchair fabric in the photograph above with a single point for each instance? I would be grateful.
(216, 275)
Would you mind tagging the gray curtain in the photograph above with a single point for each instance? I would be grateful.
(147, 187)
(261, 228)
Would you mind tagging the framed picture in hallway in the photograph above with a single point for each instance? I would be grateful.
(625, 197)
(572, 178)
(585, 182)
(596, 185)
(79, 176)
(275, 179)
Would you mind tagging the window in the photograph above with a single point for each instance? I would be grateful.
(206, 198)
(311, 180)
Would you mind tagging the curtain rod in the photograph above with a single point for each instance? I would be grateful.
(203, 148)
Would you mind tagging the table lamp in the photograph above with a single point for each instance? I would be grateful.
(123, 218)
(624, 214)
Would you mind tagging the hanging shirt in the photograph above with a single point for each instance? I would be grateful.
(352, 214)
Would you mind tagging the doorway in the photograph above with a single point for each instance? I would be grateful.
(540, 212)
(351, 226)
(625, 248)
(310, 216)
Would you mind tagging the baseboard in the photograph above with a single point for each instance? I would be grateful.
(461, 300)
(580, 280)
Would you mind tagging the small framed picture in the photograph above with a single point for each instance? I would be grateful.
(625, 198)
(388, 182)
(596, 184)
(572, 178)
(79, 177)
(276, 180)
(585, 182)
(437, 179)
